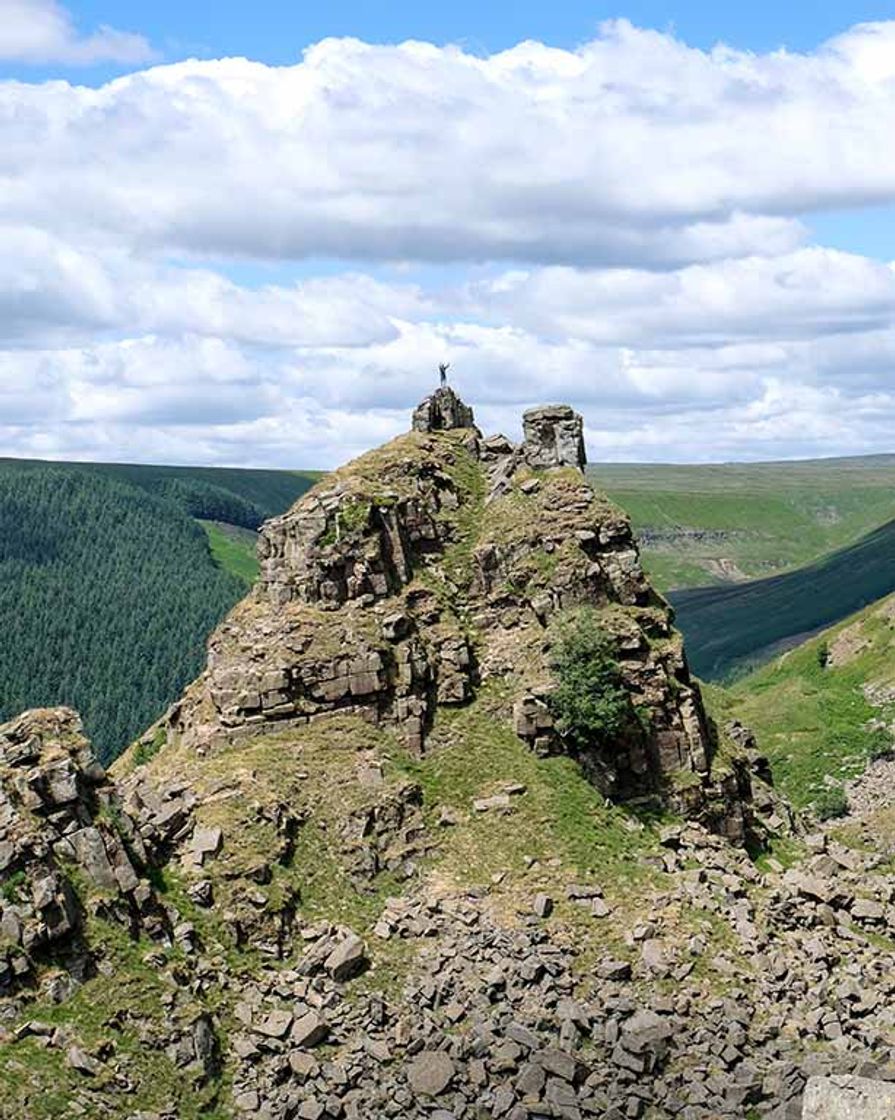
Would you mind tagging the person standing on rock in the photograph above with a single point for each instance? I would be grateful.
(442, 372)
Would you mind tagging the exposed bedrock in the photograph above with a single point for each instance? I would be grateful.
(437, 565)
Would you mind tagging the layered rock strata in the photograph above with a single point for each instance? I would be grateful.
(62, 822)
(437, 565)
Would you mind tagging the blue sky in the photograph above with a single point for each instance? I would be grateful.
(276, 32)
(262, 261)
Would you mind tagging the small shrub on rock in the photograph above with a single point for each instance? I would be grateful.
(590, 704)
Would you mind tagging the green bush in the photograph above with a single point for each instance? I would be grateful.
(590, 705)
(823, 655)
(11, 889)
(831, 803)
(145, 750)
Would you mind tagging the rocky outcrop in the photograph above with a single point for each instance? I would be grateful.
(554, 437)
(62, 826)
(425, 569)
(315, 891)
(375, 873)
(442, 412)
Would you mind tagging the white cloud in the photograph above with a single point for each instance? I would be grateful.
(759, 356)
(634, 149)
(625, 222)
(191, 398)
(53, 291)
(798, 295)
(38, 31)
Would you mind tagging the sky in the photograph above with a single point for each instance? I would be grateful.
(247, 235)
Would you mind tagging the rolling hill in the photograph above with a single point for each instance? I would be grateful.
(718, 523)
(247, 497)
(727, 628)
(112, 577)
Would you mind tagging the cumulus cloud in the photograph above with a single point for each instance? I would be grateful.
(36, 31)
(621, 226)
(794, 295)
(753, 357)
(634, 149)
(191, 398)
(52, 290)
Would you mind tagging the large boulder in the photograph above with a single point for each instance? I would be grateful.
(848, 1098)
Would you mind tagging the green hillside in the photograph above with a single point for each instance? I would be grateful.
(109, 585)
(811, 707)
(710, 523)
(229, 494)
(729, 627)
(233, 549)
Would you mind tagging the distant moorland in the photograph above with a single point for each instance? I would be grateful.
(716, 522)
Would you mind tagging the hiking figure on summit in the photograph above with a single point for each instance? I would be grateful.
(443, 367)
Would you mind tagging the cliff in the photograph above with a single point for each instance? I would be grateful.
(437, 566)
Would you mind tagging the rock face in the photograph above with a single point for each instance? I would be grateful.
(381, 889)
(848, 1098)
(554, 437)
(61, 815)
(442, 412)
(427, 568)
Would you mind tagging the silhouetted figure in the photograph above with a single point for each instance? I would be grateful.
(442, 372)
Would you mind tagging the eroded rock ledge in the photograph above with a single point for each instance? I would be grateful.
(61, 819)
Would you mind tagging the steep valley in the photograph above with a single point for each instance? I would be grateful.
(720, 522)
(109, 585)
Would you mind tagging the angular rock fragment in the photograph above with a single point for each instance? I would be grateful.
(430, 1073)
(348, 959)
(309, 1030)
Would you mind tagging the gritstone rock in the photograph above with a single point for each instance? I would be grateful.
(848, 1098)
(554, 437)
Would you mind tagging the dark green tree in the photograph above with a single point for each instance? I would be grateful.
(107, 596)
